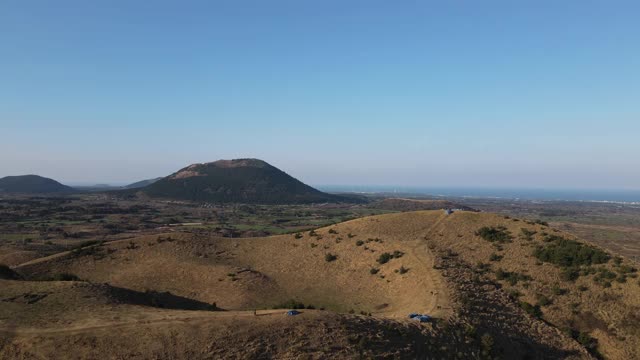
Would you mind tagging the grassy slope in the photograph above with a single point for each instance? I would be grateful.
(283, 267)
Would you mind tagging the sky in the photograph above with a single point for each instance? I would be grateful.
(536, 94)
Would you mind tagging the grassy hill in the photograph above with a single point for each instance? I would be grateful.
(237, 181)
(496, 286)
(32, 184)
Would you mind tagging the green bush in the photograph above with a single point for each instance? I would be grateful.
(533, 310)
(494, 234)
(330, 257)
(495, 257)
(511, 277)
(359, 243)
(527, 234)
(403, 270)
(570, 253)
(384, 258)
(570, 274)
(543, 300)
(290, 304)
(557, 290)
(373, 271)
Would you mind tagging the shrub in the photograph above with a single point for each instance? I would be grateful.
(495, 257)
(511, 277)
(540, 222)
(543, 300)
(290, 304)
(350, 235)
(298, 236)
(570, 274)
(373, 271)
(494, 234)
(557, 290)
(514, 294)
(403, 270)
(332, 231)
(533, 310)
(384, 258)
(397, 254)
(587, 341)
(569, 253)
(65, 277)
(527, 234)
(359, 243)
(330, 257)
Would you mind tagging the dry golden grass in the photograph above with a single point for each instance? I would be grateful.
(248, 273)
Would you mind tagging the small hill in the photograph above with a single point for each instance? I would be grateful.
(32, 184)
(363, 277)
(142, 183)
(237, 181)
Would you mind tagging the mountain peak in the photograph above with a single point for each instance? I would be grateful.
(31, 184)
(239, 181)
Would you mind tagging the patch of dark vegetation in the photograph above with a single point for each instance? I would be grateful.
(604, 277)
(511, 277)
(8, 273)
(64, 276)
(527, 234)
(330, 257)
(533, 310)
(162, 239)
(293, 304)
(403, 270)
(558, 291)
(374, 271)
(586, 340)
(359, 243)
(495, 257)
(498, 234)
(542, 300)
(386, 257)
(569, 253)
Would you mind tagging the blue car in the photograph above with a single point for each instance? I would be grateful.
(423, 318)
(293, 312)
(413, 315)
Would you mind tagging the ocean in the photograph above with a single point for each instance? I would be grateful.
(606, 195)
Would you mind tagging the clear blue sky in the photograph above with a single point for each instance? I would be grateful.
(413, 93)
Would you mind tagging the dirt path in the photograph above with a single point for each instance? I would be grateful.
(200, 316)
(439, 303)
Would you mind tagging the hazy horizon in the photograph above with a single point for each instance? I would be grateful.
(493, 94)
